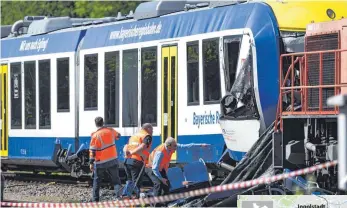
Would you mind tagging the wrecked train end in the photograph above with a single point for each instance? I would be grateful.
(240, 121)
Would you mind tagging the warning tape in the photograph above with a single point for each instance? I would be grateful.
(172, 197)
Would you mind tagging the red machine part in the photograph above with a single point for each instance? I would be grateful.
(322, 70)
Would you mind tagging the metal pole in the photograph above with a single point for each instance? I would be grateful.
(341, 101)
(342, 142)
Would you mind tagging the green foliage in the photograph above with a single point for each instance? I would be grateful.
(97, 9)
(193, 53)
(11, 11)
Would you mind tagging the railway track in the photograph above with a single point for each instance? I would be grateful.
(42, 178)
(29, 187)
(62, 179)
(15, 201)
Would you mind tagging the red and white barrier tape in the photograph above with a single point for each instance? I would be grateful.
(173, 197)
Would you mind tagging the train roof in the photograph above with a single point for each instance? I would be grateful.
(152, 21)
(59, 42)
(144, 25)
(180, 25)
(40, 25)
(284, 10)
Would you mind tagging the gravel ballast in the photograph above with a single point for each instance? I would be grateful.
(52, 192)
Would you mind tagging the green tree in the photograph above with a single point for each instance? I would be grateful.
(11, 11)
(97, 9)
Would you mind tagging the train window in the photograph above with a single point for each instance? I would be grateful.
(91, 82)
(130, 91)
(149, 85)
(16, 96)
(112, 88)
(44, 94)
(193, 73)
(211, 74)
(30, 94)
(63, 85)
(231, 56)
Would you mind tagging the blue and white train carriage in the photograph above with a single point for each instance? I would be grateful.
(41, 106)
(163, 65)
(170, 71)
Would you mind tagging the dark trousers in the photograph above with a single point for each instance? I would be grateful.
(2, 187)
(133, 171)
(159, 187)
(113, 172)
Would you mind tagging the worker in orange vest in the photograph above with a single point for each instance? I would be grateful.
(159, 161)
(137, 152)
(103, 157)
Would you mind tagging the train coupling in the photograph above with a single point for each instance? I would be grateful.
(77, 164)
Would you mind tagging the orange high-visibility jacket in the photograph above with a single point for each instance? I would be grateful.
(103, 144)
(165, 162)
(135, 141)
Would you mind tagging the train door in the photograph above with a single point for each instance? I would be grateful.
(169, 94)
(3, 109)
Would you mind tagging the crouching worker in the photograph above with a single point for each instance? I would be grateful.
(137, 152)
(103, 157)
(158, 164)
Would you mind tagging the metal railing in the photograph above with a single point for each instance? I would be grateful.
(308, 84)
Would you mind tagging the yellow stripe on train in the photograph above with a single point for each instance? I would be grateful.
(294, 15)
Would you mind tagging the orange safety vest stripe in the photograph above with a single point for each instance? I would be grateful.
(165, 161)
(103, 144)
(135, 141)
